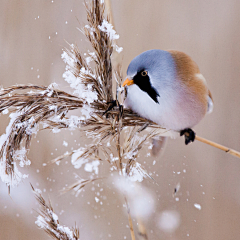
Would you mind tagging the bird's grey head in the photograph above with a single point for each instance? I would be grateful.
(159, 67)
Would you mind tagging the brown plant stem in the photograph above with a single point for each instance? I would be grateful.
(219, 146)
(130, 221)
(142, 232)
(116, 60)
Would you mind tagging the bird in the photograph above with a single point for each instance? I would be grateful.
(166, 87)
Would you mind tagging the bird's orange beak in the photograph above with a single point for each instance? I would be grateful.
(128, 82)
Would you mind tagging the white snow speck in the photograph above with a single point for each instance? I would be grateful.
(197, 206)
(39, 191)
(65, 143)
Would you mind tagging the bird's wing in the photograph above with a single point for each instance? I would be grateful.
(189, 74)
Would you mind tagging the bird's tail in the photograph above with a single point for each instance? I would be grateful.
(159, 144)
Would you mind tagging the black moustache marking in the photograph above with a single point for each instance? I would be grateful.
(143, 82)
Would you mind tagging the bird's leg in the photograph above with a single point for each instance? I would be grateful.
(120, 109)
(113, 104)
(189, 135)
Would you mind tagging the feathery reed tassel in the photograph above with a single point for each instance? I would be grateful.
(48, 221)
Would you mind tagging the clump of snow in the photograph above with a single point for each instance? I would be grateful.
(11, 180)
(86, 93)
(136, 173)
(169, 221)
(20, 155)
(16, 177)
(108, 29)
(56, 130)
(54, 215)
(44, 223)
(73, 122)
(120, 89)
(90, 29)
(41, 222)
(76, 160)
(112, 158)
(5, 111)
(92, 56)
(93, 166)
(29, 125)
(4, 137)
(49, 91)
(86, 111)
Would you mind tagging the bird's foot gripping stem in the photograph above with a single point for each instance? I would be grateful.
(113, 104)
(189, 135)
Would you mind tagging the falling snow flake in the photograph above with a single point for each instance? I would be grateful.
(197, 206)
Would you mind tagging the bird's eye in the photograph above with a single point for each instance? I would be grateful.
(144, 73)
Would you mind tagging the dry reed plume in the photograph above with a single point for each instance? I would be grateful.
(96, 94)
(36, 108)
(48, 221)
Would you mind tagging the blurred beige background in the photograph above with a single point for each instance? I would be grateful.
(32, 34)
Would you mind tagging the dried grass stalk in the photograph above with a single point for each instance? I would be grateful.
(79, 185)
(142, 232)
(130, 221)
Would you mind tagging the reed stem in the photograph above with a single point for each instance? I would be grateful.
(219, 146)
(130, 221)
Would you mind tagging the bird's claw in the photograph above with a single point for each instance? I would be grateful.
(189, 135)
(113, 104)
